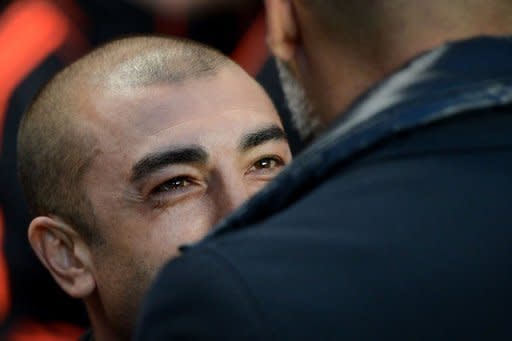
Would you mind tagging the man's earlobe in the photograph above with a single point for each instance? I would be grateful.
(61, 251)
(283, 29)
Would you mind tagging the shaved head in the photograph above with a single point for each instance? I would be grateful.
(56, 144)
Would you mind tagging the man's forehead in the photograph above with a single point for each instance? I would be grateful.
(151, 108)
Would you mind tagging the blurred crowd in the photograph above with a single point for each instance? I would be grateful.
(40, 37)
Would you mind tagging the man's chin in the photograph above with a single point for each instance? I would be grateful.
(301, 109)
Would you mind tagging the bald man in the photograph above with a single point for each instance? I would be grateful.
(395, 223)
(137, 148)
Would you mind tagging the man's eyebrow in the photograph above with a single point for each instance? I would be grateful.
(261, 136)
(152, 163)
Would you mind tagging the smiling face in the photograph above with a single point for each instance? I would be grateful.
(173, 160)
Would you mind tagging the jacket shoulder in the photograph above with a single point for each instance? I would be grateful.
(201, 296)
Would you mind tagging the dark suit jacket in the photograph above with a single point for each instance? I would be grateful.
(396, 224)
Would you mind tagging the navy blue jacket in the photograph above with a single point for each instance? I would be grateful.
(395, 224)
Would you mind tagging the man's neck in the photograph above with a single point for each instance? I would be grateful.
(343, 72)
(101, 328)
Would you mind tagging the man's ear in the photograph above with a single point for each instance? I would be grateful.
(283, 28)
(64, 254)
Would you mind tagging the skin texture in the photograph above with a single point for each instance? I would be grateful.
(146, 201)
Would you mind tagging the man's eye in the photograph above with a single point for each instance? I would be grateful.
(173, 185)
(267, 164)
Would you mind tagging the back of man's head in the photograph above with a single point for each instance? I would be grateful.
(337, 49)
(56, 143)
(335, 13)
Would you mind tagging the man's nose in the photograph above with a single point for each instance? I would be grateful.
(231, 193)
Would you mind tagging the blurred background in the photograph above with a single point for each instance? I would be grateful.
(40, 37)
